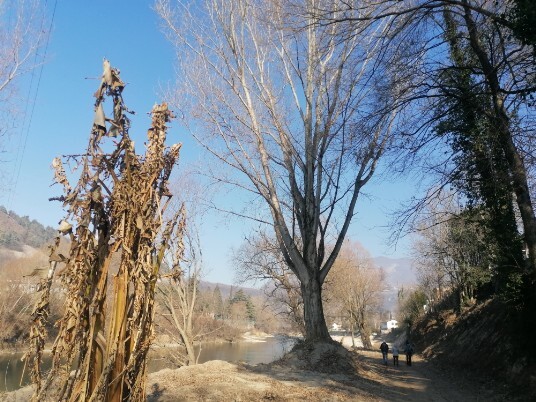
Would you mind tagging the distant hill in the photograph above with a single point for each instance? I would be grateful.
(17, 233)
(228, 290)
(398, 271)
(22, 235)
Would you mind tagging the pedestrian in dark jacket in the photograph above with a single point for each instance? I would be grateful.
(385, 350)
(409, 352)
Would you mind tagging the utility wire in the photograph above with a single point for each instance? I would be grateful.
(28, 122)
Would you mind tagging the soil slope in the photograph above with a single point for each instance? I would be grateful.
(485, 341)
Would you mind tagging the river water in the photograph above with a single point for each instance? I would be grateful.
(270, 349)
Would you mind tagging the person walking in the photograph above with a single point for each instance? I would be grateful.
(409, 352)
(395, 355)
(385, 350)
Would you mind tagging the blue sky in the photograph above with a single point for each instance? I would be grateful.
(128, 34)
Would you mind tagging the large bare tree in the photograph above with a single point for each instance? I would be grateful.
(301, 117)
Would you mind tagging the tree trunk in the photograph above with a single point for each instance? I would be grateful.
(315, 323)
(459, 299)
(364, 332)
(190, 351)
(188, 339)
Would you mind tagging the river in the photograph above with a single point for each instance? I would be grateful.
(270, 349)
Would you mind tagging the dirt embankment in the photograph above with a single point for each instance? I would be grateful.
(488, 341)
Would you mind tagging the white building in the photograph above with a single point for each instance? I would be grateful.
(387, 326)
(392, 324)
(336, 327)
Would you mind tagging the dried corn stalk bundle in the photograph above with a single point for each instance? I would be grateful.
(115, 210)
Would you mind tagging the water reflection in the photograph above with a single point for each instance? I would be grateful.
(12, 369)
(272, 348)
(250, 352)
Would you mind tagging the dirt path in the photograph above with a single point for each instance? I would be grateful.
(421, 381)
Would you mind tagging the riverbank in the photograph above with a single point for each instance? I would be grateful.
(346, 341)
(249, 336)
(287, 380)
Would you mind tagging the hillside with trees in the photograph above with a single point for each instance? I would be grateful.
(17, 231)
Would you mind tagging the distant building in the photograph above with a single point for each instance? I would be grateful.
(336, 327)
(387, 326)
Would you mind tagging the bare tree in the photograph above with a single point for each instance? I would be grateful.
(20, 277)
(429, 243)
(22, 29)
(412, 304)
(260, 259)
(179, 297)
(354, 288)
(453, 252)
(302, 117)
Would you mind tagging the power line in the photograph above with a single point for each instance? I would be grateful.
(28, 122)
